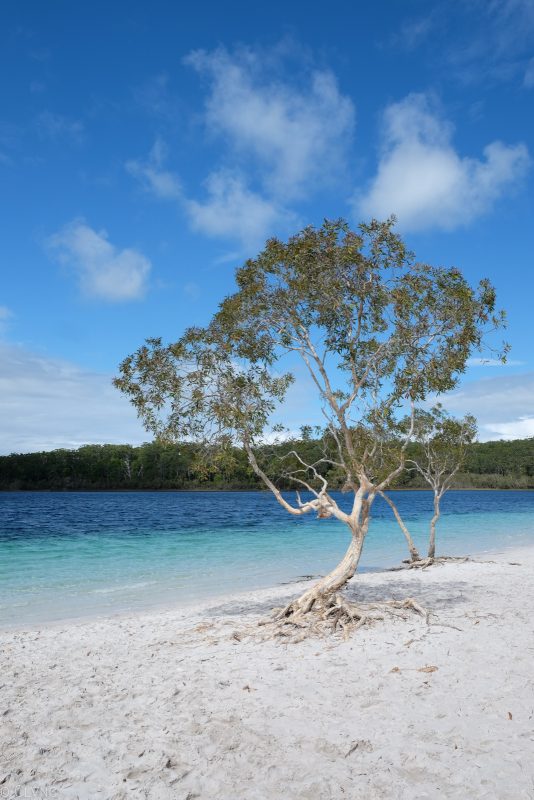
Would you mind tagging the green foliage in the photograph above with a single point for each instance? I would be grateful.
(440, 444)
(105, 467)
(194, 389)
(502, 458)
(374, 328)
(488, 465)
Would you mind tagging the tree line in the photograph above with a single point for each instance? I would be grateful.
(155, 466)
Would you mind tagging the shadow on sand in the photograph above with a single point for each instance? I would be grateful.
(433, 595)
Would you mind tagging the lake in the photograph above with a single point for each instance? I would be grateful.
(66, 555)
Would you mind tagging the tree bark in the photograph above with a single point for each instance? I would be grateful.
(334, 581)
(414, 554)
(433, 523)
(358, 523)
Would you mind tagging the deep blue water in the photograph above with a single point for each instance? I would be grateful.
(74, 554)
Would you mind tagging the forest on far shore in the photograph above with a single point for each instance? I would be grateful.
(152, 466)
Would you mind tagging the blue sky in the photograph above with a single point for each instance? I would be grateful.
(147, 149)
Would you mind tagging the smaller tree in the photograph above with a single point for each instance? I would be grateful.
(442, 443)
(440, 449)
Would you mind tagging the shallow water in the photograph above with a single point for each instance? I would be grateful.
(67, 555)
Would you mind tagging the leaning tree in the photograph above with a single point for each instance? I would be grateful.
(376, 331)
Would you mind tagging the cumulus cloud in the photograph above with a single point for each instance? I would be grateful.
(288, 135)
(229, 210)
(298, 134)
(152, 173)
(232, 211)
(422, 179)
(47, 403)
(503, 405)
(103, 271)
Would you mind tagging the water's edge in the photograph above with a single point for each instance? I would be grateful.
(67, 555)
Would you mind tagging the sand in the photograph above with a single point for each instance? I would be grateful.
(174, 705)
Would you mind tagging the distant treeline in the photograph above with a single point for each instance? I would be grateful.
(489, 465)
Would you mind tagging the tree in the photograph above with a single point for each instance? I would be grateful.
(442, 445)
(376, 331)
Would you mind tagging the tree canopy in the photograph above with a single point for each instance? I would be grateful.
(377, 331)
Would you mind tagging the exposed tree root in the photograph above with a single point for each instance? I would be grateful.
(423, 563)
(334, 614)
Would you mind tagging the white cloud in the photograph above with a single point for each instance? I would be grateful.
(282, 139)
(233, 211)
(103, 271)
(297, 134)
(46, 403)
(503, 405)
(519, 429)
(230, 209)
(422, 179)
(153, 176)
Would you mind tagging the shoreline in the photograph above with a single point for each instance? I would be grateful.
(278, 591)
(256, 489)
(192, 703)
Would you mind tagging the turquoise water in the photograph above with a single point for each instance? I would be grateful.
(74, 554)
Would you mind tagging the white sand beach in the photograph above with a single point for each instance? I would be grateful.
(182, 705)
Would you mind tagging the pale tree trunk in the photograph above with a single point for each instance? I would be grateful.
(319, 594)
(414, 554)
(433, 523)
(331, 583)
